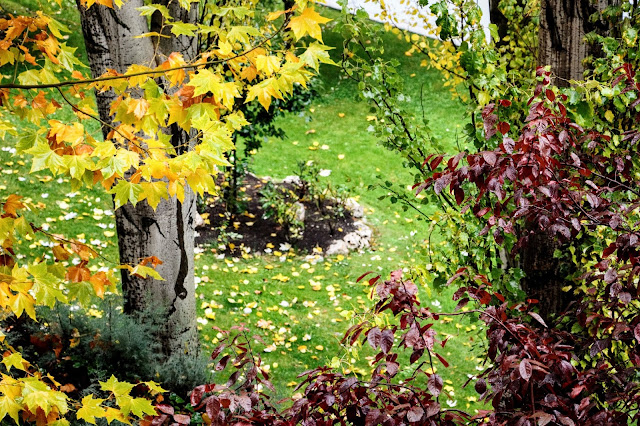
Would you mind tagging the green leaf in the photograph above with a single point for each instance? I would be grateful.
(83, 292)
(150, 9)
(116, 387)
(44, 158)
(315, 54)
(183, 28)
(126, 191)
(141, 406)
(67, 57)
(57, 28)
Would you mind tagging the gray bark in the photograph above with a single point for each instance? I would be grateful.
(167, 232)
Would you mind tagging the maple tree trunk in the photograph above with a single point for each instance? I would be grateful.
(563, 25)
(167, 232)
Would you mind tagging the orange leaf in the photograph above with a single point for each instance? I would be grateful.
(78, 274)
(13, 204)
(99, 281)
(154, 261)
(60, 253)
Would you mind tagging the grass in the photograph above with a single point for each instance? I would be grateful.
(298, 305)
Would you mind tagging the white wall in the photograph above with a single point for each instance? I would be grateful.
(405, 21)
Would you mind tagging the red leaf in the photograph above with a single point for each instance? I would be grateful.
(415, 414)
(386, 340)
(442, 360)
(508, 144)
(436, 162)
(435, 384)
(636, 332)
(503, 127)
(165, 408)
(182, 419)
(373, 337)
(489, 157)
(610, 276)
(217, 351)
(525, 369)
(550, 95)
(363, 275)
(483, 211)
(459, 194)
(538, 318)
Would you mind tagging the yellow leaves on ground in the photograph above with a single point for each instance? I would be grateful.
(308, 22)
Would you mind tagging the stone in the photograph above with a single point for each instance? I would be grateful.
(353, 240)
(354, 207)
(337, 247)
(293, 180)
(301, 211)
(363, 230)
(198, 221)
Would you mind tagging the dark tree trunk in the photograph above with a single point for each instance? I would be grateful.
(563, 26)
(168, 231)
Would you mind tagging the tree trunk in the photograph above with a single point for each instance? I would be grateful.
(167, 232)
(563, 26)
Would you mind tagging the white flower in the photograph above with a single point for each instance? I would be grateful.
(284, 304)
(324, 172)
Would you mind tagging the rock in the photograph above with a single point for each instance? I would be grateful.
(293, 180)
(337, 247)
(300, 211)
(198, 221)
(363, 230)
(354, 207)
(353, 240)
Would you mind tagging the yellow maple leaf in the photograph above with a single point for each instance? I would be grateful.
(154, 192)
(90, 409)
(89, 3)
(267, 64)
(264, 91)
(139, 107)
(308, 22)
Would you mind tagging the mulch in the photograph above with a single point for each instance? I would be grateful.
(256, 231)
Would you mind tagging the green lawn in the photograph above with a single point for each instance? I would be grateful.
(298, 306)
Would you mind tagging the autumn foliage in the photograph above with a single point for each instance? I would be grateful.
(578, 369)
